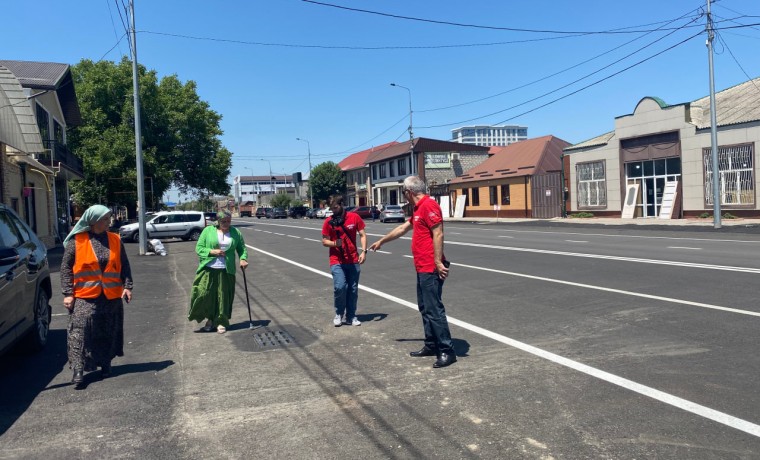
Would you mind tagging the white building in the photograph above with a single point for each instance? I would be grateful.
(489, 135)
(661, 145)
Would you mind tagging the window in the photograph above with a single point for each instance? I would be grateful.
(466, 194)
(505, 194)
(592, 187)
(382, 171)
(43, 123)
(9, 237)
(402, 167)
(193, 217)
(21, 228)
(374, 172)
(736, 180)
(492, 195)
(475, 196)
(391, 168)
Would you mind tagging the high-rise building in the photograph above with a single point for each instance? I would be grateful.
(489, 135)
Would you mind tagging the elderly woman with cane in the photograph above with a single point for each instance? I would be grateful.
(214, 285)
(95, 277)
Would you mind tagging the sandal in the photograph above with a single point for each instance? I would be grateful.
(208, 327)
(221, 329)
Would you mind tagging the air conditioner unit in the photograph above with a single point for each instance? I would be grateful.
(454, 156)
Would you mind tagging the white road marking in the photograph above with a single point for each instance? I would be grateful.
(614, 235)
(383, 252)
(293, 236)
(684, 247)
(578, 254)
(667, 398)
(279, 234)
(60, 314)
(454, 233)
(312, 239)
(505, 236)
(576, 241)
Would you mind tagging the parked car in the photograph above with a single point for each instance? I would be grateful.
(210, 217)
(312, 213)
(262, 212)
(187, 225)
(321, 212)
(25, 286)
(298, 212)
(328, 213)
(349, 208)
(367, 212)
(392, 212)
(276, 213)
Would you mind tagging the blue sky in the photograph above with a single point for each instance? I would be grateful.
(280, 69)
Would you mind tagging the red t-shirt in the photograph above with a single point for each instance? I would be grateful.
(347, 254)
(427, 214)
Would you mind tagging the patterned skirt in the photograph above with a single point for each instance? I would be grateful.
(212, 296)
(95, 333)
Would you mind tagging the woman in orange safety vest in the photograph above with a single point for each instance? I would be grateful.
(95, 277)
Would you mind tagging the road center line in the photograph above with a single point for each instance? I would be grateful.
(684, 247)
(667, 398)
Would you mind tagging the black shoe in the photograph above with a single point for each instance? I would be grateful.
(424, 351)
(445, 359)
(105, 371)
(78, 378)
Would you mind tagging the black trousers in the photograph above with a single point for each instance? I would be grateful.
(434, 323)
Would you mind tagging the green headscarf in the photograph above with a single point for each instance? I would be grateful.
(93, 214)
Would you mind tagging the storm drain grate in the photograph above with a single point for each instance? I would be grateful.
(273, 339)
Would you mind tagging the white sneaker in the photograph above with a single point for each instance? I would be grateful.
(356, 322)
(337, 321)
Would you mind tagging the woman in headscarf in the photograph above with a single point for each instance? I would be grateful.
(95, 277)
(214, 285)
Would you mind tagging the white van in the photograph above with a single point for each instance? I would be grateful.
(187, 225)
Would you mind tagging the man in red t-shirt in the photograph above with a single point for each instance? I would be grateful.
(339, 234)
(432, 269)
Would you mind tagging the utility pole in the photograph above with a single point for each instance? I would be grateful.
(308, 147)
(138, 136)
(713, 124)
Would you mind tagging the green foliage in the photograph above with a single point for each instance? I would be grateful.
(581, 215)
(280, 200)
(180, 136)
(327, 179)
(726, 215)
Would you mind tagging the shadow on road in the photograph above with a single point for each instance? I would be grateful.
(23, 376)
(461, 347)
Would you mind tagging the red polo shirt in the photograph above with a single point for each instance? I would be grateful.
(427, 214)
(347, 254)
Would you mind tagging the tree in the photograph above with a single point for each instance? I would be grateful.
(327, 179)
(180, 136)
(280, 200)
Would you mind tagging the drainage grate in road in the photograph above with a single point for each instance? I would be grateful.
(273, 339)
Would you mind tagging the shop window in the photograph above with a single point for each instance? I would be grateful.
(492, 195)
(505, 194)
(736, 179)
(592, 187)
(475, 196)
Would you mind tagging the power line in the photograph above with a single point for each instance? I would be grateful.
(559, 72)
(623, 30)
(563, 86)
(601, 80)
(113, 24)
(353, 47)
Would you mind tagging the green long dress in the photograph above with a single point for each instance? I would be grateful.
(214, 289)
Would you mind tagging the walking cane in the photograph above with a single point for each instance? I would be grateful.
(247, 300)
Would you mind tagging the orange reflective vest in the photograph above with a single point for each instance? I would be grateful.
(89, 279)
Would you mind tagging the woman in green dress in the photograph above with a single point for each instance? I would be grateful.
(214, 284)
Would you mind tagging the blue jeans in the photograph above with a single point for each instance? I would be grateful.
(434, 323)
(346, 288)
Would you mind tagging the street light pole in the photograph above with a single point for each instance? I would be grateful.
(308, 147)
(241, 183)
(411, 135)
(271, 186)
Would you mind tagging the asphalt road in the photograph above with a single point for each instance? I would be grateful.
(575, 342)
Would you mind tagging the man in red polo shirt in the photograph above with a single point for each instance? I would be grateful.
(432, 269)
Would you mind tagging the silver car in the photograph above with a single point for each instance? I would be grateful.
(392, 212)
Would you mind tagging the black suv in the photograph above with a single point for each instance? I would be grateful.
(25, 287)
(298, 212)
(261, 212)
